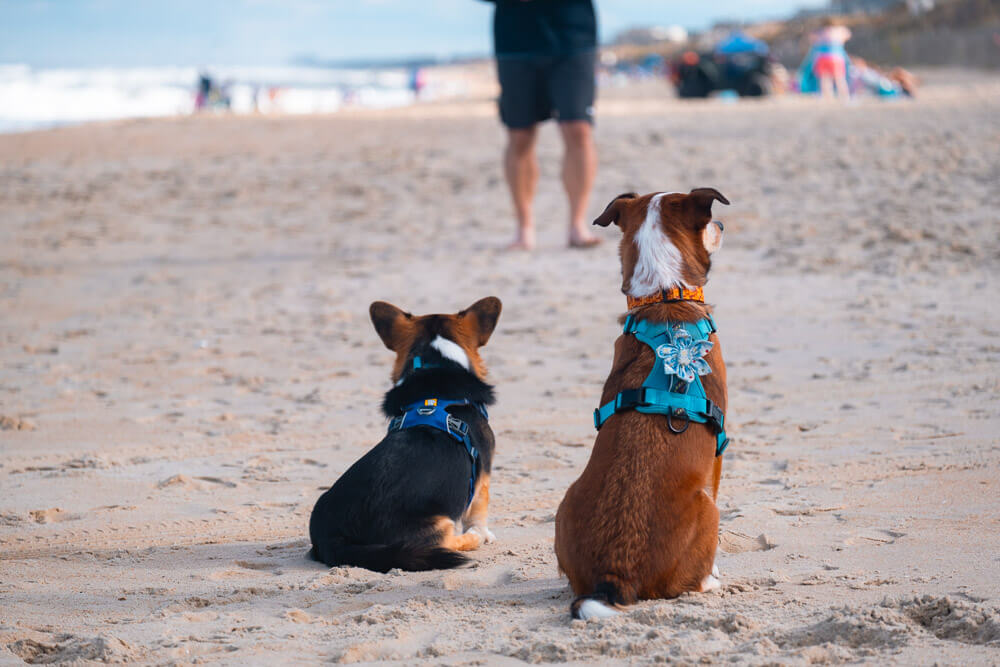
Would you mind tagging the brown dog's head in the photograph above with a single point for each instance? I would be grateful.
(666, 238)
(455, 337)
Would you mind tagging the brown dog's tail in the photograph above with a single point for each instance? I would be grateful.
(599, 604)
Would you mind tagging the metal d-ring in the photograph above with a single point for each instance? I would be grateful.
(670, 421)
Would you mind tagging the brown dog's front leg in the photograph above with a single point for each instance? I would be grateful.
(716, 478)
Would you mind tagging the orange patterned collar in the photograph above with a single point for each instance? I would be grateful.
(666, 296)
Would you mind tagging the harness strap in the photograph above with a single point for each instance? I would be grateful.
(433, 413)
(642, 329)
(656, 400)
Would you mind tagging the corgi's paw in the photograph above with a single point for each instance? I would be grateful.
(715, 571)
(485, 534)
(710, 583)
(473, 540)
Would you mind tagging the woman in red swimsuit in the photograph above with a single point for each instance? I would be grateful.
(830, 65)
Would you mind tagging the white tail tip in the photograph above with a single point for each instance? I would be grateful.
(594, 609)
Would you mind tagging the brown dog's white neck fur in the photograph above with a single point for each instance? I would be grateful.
(660, 263)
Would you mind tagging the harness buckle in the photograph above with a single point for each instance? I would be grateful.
(642, 400)
(631, 398)
(456, 425)
(715, 415)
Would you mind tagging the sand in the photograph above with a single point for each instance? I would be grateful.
(187, 363)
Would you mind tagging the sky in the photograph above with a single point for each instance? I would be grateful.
(89, 33)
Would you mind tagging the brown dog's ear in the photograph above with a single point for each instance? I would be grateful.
(613, 211)
(390, 323)
(483, 316)
(702, 198)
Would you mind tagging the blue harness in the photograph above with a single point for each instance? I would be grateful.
(433, 413)
(681, 345)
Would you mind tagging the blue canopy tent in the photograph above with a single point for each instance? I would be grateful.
(739, 42)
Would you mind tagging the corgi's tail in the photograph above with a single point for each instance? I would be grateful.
(411, 556)
(599, 604)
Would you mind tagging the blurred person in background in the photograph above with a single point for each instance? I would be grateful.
(204, 88)
(546, 51)
(830, 63)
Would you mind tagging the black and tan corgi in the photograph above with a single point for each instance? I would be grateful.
(404, 503)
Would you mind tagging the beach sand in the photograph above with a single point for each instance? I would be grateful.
(187, 362)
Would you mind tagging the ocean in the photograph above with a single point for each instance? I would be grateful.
(32, 98)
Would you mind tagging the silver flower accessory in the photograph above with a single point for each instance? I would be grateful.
(684, 356)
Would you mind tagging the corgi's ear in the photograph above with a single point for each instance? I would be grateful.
(483, 316)
(391, 324)
(613, 211)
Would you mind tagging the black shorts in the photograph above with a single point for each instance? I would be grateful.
(536, 88)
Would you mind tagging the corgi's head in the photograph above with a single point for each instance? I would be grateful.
(438, 338)
(667, 238)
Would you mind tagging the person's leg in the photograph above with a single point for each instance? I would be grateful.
(578, 171)
(521, 169)
(572, 89)
(826, 87)
(842, 88)
(840, 81)
(523, 104)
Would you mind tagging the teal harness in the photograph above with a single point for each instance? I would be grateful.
(666, 392)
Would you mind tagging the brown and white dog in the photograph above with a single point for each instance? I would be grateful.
(641, 521)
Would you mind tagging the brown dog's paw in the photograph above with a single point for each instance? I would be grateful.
(710, 583)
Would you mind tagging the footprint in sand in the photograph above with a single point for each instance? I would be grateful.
(64, 647)
(226, 575)
(183, 481)
(255, 564)
(199, 616)
(298, 616)
(52, 515)
(15, 424)
(877, 537)
(733, 542)
(248, 568)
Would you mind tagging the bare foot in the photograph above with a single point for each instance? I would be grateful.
(584, 241)
(517, 245)
(580, 236)
(525, 240)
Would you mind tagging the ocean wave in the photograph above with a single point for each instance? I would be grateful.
(32, 98)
